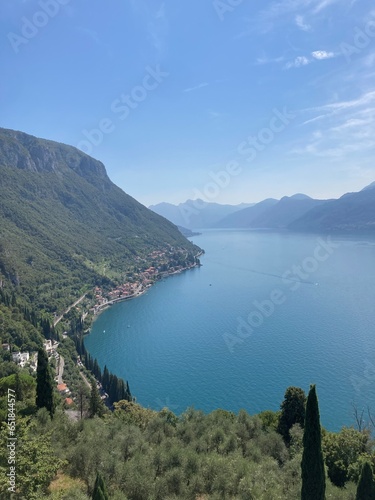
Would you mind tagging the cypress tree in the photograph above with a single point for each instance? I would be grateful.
(100, 490)
(44, 383)
(313, 473)
(129, 396)
(95, 368)
(18, 387)
(366, 484)
(105, 378)
(96, 404)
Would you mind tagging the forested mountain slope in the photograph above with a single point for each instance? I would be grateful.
(64, 224)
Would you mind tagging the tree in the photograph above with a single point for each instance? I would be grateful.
(82, 397)
(366, 484)
(18, 387)
(342, 451)
(44, 383)
(36, 461)
(100, 490)
(292, 411)
(313, 474)
(96, 404)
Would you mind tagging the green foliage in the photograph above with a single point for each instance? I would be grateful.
(36, 463)
(270, 419)
(366, 484)
(142, 455)
(100, 490)
(342, 452)
(17, 331)
(26, 385)
(313, 473)
(50, 193)
(96, 407)
(292, 411)
(133, 413)
(44, 383)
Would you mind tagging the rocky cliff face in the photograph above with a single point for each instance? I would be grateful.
(26, 152)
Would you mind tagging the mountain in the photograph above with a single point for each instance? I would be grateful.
(64, 224)
(370, 186)
(287, 210)
(194, 214)
(188, 233)
(351, 212)
(244, 218)
(271, 214)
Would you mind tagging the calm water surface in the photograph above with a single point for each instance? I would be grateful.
(182, 343)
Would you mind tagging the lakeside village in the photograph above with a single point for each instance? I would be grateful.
(165, 263)
(141, 281)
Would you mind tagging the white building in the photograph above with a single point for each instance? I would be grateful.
(21, 358)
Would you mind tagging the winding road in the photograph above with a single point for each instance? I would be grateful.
(57, 320)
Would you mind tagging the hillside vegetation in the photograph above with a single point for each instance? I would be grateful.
(65, 226)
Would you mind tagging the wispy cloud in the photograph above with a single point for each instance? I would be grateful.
(322, 54)
(300, 22)
(156, 24)
(281, 11)
(323, 4)
(197, 87)
(268, 60)
(298, 62)
(317, 55)
(344, 127)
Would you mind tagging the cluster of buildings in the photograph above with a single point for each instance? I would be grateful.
(140, 280)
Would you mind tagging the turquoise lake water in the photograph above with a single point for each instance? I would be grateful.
(188, 340)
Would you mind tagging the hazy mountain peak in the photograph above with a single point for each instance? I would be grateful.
(300, 196)
(370, 186)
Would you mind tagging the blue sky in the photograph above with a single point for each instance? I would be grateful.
(170, 94)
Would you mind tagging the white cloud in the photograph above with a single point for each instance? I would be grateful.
(298, 62)
(301, 24)
(343, 128)
(200, 86)
(322, 54)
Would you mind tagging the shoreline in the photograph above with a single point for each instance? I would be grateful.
(107, 305)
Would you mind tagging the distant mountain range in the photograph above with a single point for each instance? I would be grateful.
(351, 212)
(195, 214)
(64, 224)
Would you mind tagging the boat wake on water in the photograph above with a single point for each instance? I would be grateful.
(279, 276)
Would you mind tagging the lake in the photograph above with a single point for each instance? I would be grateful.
(265, 311)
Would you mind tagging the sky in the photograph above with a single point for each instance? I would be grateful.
(226, 100)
